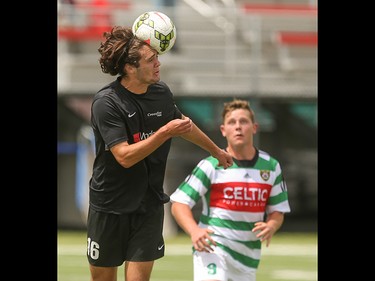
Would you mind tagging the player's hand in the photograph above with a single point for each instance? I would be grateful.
(265, 232)
(178, 127)
(202, 240)
(225, 159)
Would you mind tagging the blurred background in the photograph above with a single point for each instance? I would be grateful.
(264, 51)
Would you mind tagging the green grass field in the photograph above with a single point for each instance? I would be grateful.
(291, 256)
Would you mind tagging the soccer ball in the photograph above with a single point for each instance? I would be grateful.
(157, 29)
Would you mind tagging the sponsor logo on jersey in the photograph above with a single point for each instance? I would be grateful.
(240, 196)
(156, 114)
(142, 136)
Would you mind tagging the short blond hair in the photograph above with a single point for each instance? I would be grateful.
(238, 104)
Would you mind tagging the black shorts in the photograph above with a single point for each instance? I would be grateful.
(113, 239)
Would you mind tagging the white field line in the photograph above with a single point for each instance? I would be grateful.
(295, 275)
(290, 250)
(184, 249)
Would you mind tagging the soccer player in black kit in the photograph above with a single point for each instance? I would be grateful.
(134, 119)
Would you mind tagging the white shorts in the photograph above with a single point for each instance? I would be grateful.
(216, 266)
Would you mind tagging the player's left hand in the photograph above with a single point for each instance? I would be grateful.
(265, 232)
(225, 159)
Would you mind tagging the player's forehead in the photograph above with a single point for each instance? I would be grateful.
(147, 52)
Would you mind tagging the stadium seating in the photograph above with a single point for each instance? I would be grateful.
(257, 56)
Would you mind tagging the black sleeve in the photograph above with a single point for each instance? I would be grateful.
(108, 121)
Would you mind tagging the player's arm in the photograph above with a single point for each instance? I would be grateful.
(185, 219)
(129, 154)
(268, 229)
(198, 137)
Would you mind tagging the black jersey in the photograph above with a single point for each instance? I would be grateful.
(118, 115)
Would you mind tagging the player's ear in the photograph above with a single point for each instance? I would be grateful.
(129, 68)
(222, 130)
(255, 127)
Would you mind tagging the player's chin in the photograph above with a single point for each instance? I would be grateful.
(238, 140)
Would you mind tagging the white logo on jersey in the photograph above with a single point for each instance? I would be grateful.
(157, 114)
(245, 193)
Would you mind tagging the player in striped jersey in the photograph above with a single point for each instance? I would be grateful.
(243, 205)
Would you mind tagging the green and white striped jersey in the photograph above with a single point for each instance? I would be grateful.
(233, 199)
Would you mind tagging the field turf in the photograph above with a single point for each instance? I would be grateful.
(291, 256)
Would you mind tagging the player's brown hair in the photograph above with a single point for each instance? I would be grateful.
(237, 104)
(119, 47)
